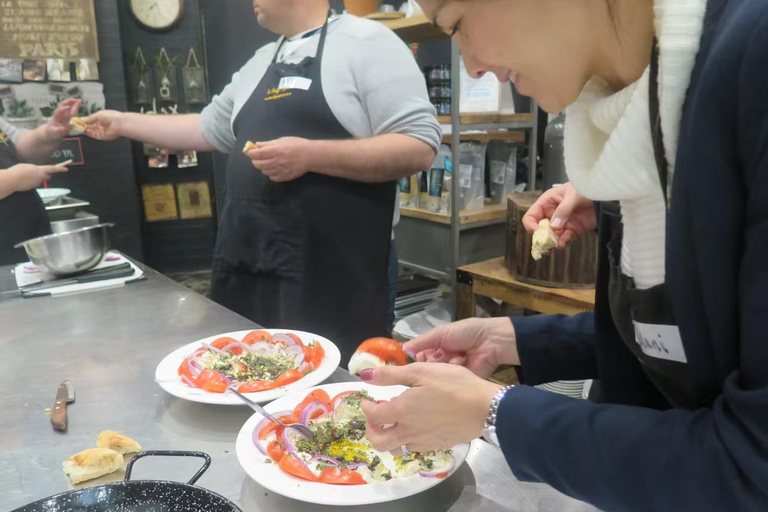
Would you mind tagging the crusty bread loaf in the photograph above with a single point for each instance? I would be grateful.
(116, 441)
(93, 463)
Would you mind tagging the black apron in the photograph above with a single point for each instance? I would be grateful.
(310, 254)
(630, 305)
(22, 214)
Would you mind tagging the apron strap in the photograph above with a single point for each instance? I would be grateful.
(656, 132)
(320, 47)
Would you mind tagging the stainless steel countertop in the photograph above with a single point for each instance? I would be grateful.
(108, 344)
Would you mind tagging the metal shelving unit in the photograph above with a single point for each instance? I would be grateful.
(462, 237)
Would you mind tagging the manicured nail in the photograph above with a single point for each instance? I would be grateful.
(557, 223)
(438, 354)
(410, 353)
(367, 374)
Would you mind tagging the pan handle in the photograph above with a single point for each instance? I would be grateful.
(171, 453)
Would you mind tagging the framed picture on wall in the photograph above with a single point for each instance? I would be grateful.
(58, 70)
(34, 70)
(87, 70)
(10, 70)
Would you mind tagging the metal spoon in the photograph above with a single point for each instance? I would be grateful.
(301, 429)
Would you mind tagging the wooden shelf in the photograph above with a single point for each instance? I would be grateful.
(487, 137)
(490, 212)
(415, 29)
(470, 118)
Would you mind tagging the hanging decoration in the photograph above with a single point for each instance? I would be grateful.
(195, 90)
(143, 89)
(166, 83)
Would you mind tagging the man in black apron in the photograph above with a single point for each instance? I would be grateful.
(22, 214)
(305, 233)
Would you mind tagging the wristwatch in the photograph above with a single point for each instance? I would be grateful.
(489, 433)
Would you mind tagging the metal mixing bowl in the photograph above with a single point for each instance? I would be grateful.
(71, 252)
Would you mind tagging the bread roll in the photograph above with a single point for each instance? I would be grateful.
(93, 463)
(78, 125)
(250, 146)
(544, 240)
(118, 442)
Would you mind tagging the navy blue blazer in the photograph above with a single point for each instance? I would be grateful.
(633, 452)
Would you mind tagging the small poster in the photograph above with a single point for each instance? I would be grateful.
(34, 70)
(187, 159)
(195, 200)
(58, 70)
(158, 157)
(10, 70)
(87, 70)
(159, 202)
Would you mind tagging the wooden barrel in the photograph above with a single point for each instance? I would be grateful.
(574, 267)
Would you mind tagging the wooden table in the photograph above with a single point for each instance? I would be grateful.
(492, 279)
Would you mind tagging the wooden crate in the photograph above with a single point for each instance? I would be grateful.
(574, 267)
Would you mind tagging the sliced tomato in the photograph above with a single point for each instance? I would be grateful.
(295, 338)
(387, 350)
(442, 475)
(316, 396)
(184, 370)
(335, 400)
(338, 476)
(256, 386)
(293, 466)
(257, 336)
(223, 342)
(212, 381)
(288, 377)
(275, 451)
(318, 356)
(271, 427)
(309, 353)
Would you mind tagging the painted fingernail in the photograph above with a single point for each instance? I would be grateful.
(557, 223)
(438, 354)
(367, 374)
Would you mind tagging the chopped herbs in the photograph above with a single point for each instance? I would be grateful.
(250, 367)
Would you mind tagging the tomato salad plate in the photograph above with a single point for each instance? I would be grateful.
(264, 364)
(338, 466)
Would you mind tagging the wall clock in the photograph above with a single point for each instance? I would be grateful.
(158, 15)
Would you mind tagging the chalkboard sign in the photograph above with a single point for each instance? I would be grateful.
(48, 29)
(71, 149)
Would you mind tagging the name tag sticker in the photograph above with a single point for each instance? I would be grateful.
(660, 341)
(295, 82)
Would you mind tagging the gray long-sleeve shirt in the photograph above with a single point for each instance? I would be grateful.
(371, 81)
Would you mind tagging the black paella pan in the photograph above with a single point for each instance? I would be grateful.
(139, 495)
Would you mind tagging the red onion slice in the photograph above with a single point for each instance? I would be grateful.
(296, 353)
(245, 348)
(214, 349)
(325, 459)
(261, 348)
(263, 423)
(435, 474)
(290, 436)
(193, 369)
(188, 381)
(311, 409)
(284, 339)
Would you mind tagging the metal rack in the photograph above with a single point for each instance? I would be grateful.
(468, 236)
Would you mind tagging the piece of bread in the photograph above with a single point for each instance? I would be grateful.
(93, 463)
(78, 125)
(118, 442)
(250, 146)
(544, 240)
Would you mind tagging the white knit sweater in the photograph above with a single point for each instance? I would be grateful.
(608, 149)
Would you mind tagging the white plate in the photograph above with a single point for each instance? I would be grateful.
(50, 195)
(166, 374)
(271, 477)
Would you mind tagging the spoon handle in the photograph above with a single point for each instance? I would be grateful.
(256, 407)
